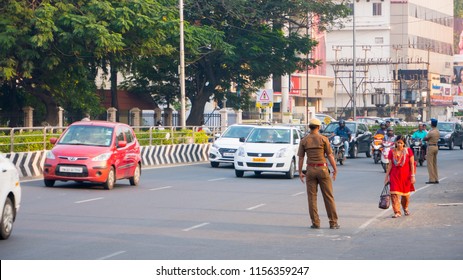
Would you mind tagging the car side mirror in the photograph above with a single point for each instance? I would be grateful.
(53, 140)
(121, 144)
(242, 139)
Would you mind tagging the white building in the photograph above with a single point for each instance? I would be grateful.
(413, 38)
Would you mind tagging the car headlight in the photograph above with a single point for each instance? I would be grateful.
(281, 153)
(447, 136)
(240, 152)
(50, 155)
(102, 157)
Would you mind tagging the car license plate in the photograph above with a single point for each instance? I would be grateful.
(258, 159)
(228, 154)
(70, 169)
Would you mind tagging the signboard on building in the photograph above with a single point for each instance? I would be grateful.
(438, 100)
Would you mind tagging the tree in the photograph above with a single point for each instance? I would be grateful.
(53, 49)
(250, 46)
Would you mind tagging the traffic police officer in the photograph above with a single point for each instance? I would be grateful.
(431, 155)
(315, 146)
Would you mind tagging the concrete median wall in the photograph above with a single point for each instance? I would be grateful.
(30, 164)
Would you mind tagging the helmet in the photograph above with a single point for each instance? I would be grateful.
(382, 124)
(389, 129)
(342, 122)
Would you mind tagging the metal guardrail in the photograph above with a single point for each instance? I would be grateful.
(27, 139)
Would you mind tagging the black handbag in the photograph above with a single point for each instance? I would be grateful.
(385, 198)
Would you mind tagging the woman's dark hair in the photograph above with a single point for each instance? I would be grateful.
(401, 138)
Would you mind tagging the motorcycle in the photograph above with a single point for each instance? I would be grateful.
(337, 145)
(418, 151)
(387, 145)
(377, 147)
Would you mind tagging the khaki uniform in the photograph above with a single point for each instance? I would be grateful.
(315, 147)
(431, 154)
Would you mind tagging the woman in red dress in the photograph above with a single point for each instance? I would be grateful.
(400, 174)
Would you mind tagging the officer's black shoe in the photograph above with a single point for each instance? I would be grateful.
(314, 226)
(335, 226)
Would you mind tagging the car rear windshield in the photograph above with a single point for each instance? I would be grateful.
(270, 135)
(445, 126)
(87, 135)
(332, 126)
(237, 131)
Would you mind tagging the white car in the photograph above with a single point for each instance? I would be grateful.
(10, 196)
(223, 149)
(269, 149)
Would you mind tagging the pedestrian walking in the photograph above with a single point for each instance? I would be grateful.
(400, 174)
(315, 147)
(431, 155)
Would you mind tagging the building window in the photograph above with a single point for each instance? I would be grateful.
(377, 9)
(379, 40)
(351, 9)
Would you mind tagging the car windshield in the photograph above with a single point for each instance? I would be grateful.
(332, 126)
(237, 131)
(270, 135)
(445, 126)
(87, 135)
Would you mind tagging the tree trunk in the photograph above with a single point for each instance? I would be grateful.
(51, 106)
(197, 109)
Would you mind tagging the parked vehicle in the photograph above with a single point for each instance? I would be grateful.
(268, 149)
(325, 119)
(418, 150)
(94, 151)
(10, 196)
(361, 137)
(337, 146)
(377, 147)
(387, 145)
(370, 120)
(223, 149)
(451, 135)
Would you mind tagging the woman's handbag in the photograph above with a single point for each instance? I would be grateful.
(385, 198)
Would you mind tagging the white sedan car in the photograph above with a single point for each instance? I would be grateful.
(269, 149)
(223, 149)
(10, 196)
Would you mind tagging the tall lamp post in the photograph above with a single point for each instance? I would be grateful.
(354, 77)
(182, 70)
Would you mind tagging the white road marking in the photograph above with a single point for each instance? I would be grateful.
(89, 200)
(450, 204)
(195, 227)
(299, 193)
(112, 255)
(218, 179)
(255, 207)
(161, 188)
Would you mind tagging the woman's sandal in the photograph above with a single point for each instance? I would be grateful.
(396, 215)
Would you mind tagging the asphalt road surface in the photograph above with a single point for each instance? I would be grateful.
(195, 212)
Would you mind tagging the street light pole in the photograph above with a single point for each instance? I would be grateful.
(182, 70)
(354, 76)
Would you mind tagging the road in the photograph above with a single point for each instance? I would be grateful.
(195, 212)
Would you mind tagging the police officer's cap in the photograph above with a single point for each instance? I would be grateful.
(433, 122)
(315, 122)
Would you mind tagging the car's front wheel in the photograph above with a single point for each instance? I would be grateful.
(451, 144)
(49, 183)
(136, 176)
(214, 164)
(239, 173)
(111, 180)
(291, 171)
(6, 224)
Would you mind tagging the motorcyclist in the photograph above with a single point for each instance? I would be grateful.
(382, 129)
(345, 133)
(390, 136)
(421, 133)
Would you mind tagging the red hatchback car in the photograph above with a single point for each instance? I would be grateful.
(94, 151)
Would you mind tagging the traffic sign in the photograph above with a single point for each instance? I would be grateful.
(264, 98)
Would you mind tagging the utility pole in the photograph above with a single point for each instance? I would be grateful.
(354, 76)
(182, 70)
